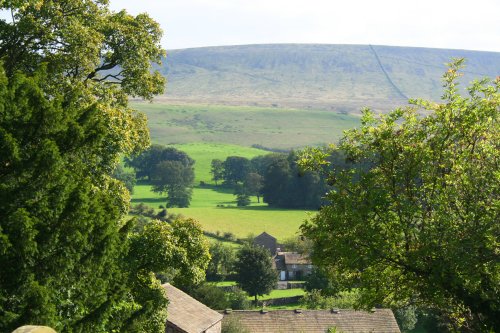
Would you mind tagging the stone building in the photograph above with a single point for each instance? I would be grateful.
(266, 241)
(292, 265)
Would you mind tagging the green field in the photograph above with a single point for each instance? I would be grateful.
(244, 125)
(241, 221)
(204, 153)
(281, 293)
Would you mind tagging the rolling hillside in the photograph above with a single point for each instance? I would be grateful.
(342, 78)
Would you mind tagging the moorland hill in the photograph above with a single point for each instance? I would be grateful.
(342, 78)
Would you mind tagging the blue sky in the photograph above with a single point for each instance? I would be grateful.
(458, 24)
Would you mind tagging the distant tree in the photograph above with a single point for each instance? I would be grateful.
(146, 162)
(221, 263)
(253, 184)
(217, 170)
(276, 181)
(242, 195)
(235, 169)
(127, 178)
(421, 223)
(254, 271)
(176, 179)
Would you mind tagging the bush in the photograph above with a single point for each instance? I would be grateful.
(231, 324)
(211, 295)
(315, 300)
(238, 299)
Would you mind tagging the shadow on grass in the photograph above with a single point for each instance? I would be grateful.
(149, 200)
(219, 189)
(261, 208)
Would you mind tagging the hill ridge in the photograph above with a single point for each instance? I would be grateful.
(339, 77)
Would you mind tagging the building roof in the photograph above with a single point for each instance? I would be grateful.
(292, 258)
(317, 321)
(265, 235)
(188, 314)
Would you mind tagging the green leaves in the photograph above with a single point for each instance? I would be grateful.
(419, 221)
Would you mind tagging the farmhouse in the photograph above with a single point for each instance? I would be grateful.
(292, 265)
(266, 241)
(187, 315)
(315, 321)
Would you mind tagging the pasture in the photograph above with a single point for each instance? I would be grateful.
(240, 221)
(245, 126)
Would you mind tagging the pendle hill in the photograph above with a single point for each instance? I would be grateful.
(341, 78)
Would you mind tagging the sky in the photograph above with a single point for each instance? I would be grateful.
(457, 24)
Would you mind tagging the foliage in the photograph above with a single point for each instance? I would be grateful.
(298, 244)
(344, 300)
(253, 184)
(422, 221)
(286, 185)
(146, 162)
(221, 263)
(66, 248)
(176, 179)
(238, 299)
(406, 317)
(319, 280)
(217, 170)
(127, 178)
(242, 195)
(231, 324)
(235, 169)
(254, 271)
(211, 295)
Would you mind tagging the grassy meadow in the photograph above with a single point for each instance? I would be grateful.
(207, 132)
(215, 207)
(244, 126)
(240, 221)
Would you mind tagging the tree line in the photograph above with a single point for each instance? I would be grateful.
(276, 178)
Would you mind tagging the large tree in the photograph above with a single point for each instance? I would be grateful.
(254, 271)
(66, 249)
(421, 222)
(176, 179)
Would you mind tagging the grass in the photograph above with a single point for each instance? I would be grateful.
(204, 153)
(281, 293)
(241, 221)
(243, 125)
(225, 283)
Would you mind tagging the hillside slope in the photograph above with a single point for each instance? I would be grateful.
(343, 78)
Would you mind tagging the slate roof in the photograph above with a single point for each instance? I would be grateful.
(265, 235)
(317, 321)
(295, 258)
(188, 314)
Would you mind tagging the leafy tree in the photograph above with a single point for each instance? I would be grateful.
(211, 295)
(286, 185)
(176, 179)
(221, 263)
(422, 221)
(127, 178)
(217, 170)
(254, 271)
(242, 195)
(253, 184)
(146, 162)
(66, 247)
(235, 169)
